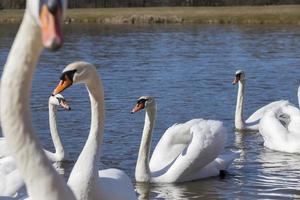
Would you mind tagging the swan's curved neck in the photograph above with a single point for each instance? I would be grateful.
(239, 120)
(41, 179)
(59, 148)
(83, 178)
(142, 171)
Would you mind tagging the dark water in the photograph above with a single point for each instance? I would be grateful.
(189, 70)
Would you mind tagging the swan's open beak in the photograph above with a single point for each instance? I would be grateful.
(65, 105)
(63, 84)
(236, 80)
(137, 107)
(51, 27)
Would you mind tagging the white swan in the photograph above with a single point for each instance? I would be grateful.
(279, 125)
(40, 26)
(186, 152)
(240, 124)
(60, 153)
(85, 180)
(280, 129)
(11, 181)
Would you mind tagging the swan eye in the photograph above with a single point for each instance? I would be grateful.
(140, 104)
(238, 76)
(141, 101)
(53, 5)
(59, 99)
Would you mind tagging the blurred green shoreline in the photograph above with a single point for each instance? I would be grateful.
(283, 14)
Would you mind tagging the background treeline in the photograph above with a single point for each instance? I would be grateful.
(7, 4)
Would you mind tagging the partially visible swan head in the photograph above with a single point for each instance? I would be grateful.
(143, 102)
(76, 72)
(59, 100)
(239, 76)
(48, 14)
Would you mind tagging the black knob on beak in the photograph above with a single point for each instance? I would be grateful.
(53, 6)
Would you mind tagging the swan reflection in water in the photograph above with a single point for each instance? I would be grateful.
(277, 169)
(274, 174)
(184, 191)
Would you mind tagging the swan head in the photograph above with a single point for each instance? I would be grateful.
(59, 100)
(143, 102)
(77, 72)
(239, 76)
(48, 14)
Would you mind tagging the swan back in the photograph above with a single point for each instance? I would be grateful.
(293, 114)
(208, 138)
(171, 144)
(279, 136)
(110, 179)
(257, 115)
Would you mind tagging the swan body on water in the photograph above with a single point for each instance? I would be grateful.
(279, 125)
(280, 129)
(86, 181)
(186, 152)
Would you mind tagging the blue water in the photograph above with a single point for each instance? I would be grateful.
(189, 69)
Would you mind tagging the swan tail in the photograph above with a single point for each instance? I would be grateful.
(225, 160)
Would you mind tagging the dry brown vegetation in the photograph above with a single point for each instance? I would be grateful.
(285, 14)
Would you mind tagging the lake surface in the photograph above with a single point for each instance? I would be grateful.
(189, 69)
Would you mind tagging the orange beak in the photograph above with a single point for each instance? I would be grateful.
(51, 28)
(138, 107)
(63, 84)
(236, 80)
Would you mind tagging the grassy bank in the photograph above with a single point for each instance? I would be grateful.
(289, 14)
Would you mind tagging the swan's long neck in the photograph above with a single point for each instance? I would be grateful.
(84, 176)
(60, 153)
(41, 179)
(239, 120)
(142, 171)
